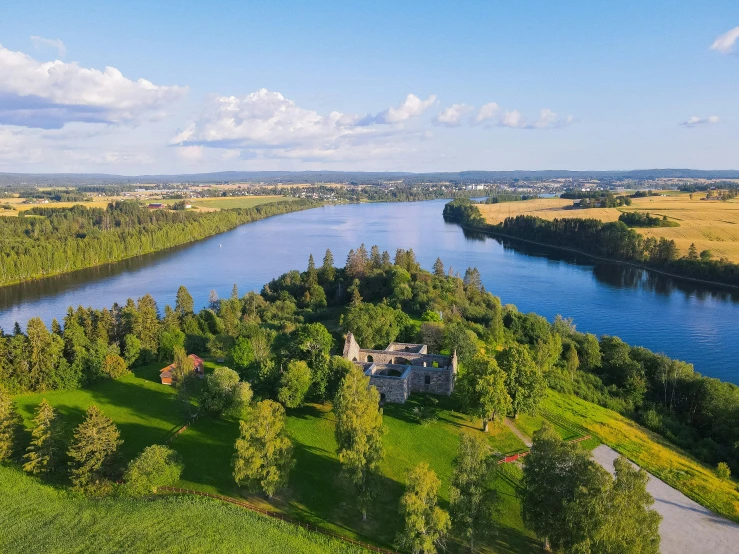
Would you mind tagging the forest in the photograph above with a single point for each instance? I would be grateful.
(46, 241)
(611, 240)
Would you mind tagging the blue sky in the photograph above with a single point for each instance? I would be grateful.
(416, 86)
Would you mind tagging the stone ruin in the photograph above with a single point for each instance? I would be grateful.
(402, 369)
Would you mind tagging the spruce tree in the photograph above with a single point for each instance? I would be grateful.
(439, 268)
(263, 457)
(359, 432)
(9, 426)
(42, 454)
(312, 273)
(93, 449)
(328, 271)
(426, 525)
(184, 304)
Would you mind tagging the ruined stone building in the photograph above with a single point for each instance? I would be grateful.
(402, 369)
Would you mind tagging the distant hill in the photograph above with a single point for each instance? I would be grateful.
(354, 177)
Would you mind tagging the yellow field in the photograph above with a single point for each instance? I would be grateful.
(18, 206)
(709, 224)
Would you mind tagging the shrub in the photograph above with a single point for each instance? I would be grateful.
(156, 466)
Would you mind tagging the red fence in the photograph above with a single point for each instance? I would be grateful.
(519, 455)
(283, 517)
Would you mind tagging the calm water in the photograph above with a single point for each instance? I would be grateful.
(684, 321)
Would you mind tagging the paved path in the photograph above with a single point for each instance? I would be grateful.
(516, 431)
(687, 527)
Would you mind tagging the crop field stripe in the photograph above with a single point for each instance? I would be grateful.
(279, 516)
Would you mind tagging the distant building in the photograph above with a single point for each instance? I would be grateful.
(156, 206)
(166, 374)
(402, 369)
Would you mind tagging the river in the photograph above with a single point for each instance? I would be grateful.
(687, 321)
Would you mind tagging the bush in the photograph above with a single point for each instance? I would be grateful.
(723, 471)
(156, 466)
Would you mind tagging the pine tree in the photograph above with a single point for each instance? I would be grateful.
(263, 457)
(41, 454)
(375, 257)
(93, 449)
(471, 497)
(439, 268)
(426, 525)
(9, 426)
(235, 292)
(359, 432)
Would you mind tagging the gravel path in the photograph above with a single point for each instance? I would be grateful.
(516, 431)
(687, 527)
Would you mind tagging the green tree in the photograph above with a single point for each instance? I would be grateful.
(426, 525)
(692, 252)
(630, 526)
(156, 466)
(359, 432)
(132, 349)
(722, 471)
(183, 366)
(42, 454)
(328, 271)
(482, 389)
(525, 382)
(439, 268)
(311, 275)
(294, 384)
(375, 325)
(241, 355)
(263, 456)
(114, 366)
(9, 426)
(218, 390)
(471, 496)
(184, 304)
(93, 448)
(313, 344)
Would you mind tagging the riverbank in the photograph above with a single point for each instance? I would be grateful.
(113, 235)
(611, 242)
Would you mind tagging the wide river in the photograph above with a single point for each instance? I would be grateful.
(683, 320)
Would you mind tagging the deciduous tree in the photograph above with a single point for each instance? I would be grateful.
(482, 389)
(294, 384)
(263, 456)
(426, 525)
(156, 466)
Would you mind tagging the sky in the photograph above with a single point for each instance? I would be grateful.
(141, 87)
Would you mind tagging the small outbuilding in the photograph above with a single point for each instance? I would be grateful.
(198, 369)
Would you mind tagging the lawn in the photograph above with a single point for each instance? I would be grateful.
(649, 451)
(146, 413)
(38, 518)
(709, 224)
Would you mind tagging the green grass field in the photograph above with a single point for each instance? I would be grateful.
(38, 518)
(226, 202)
(146, 413)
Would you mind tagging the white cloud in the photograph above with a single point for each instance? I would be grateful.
(488, 111)
(725, 43)
(413, 106)
(491, 115)
(49, 95)
(55, 43)
(452, 116)
(265, 124)
(695, 121)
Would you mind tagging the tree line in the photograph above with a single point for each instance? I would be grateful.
(48, 241)
(613, 240)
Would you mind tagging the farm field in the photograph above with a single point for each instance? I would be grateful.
(709, 224)
(226, 202)
(19, 206)
(38, 518)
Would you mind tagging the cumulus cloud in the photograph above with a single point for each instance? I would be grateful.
(725, 43)
(491, 115)
(57, 44)
(696, 121)
(453, 115)
(487, 112)
(49, 95)
(265, 123)
(413, 106)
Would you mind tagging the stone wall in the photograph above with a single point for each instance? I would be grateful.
(394, 389)
(441, 381)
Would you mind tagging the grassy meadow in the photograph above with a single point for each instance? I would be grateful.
(227, 202)
(709, 224)
(146, 413)
(39, 518)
